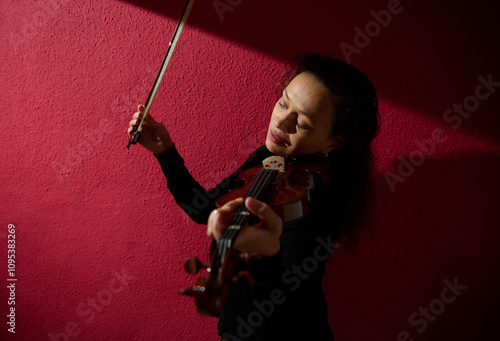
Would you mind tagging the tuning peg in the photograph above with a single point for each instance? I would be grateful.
(193, 265)
(192, 291)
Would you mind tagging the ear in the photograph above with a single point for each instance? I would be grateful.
(334, 143)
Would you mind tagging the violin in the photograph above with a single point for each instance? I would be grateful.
(285, 187)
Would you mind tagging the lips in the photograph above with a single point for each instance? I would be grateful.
(275, 139)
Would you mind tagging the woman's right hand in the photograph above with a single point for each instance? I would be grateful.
(154, 136)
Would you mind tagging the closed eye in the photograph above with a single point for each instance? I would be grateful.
(301, 127)
(283, 106)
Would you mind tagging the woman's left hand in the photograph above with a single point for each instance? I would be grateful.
(259, 240)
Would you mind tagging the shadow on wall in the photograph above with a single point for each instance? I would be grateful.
(440, 225)
(438, 230)
(424, 54)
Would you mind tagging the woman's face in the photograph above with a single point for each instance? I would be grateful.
(301, 122)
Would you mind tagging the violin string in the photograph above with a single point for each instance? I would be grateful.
(256, 189)
(238, 219)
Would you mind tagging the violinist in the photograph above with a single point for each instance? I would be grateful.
(327, 111)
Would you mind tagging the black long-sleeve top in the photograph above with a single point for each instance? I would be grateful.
(287, 300)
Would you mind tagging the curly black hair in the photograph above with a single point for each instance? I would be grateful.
(356, 119)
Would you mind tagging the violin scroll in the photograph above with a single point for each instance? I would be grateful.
(210, 292)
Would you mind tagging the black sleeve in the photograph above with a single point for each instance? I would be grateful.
(195, 200)
(287, 289)
(298, 244)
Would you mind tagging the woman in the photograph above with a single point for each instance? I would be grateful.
(328, 110)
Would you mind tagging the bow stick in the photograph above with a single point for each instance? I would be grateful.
(171, 47)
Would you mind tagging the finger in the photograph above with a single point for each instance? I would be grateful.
(212, 221)
(219, 218)
(131, 126)
(215, 227)
(233, 204)
(137, 117)
(139, 114)
(140, 107)
(227, 211)
(264, 212)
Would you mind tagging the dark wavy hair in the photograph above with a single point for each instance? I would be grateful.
(356, 119)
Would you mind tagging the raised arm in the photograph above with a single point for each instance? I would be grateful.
(194, 199)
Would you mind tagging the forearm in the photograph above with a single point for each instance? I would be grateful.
(195, 200)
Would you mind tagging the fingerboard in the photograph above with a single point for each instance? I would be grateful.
(258, 190)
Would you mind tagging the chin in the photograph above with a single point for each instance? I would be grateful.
(274, 148)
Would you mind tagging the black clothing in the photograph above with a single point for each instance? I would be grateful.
(287, 301)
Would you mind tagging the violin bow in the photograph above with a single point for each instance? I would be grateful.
(134, 137)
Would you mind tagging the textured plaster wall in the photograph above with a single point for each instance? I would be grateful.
(100, 242)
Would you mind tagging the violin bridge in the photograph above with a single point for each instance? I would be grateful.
(275, 162)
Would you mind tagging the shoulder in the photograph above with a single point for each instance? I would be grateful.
(255, 159)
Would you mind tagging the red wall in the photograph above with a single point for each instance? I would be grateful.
(100, 242)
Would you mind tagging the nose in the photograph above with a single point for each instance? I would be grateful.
(286, 122)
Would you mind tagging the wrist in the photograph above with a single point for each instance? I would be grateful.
(165, 151)
(165, 148)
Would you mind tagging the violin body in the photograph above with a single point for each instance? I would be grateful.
(289, 194)
(286, 190)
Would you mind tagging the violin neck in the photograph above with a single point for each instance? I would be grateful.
(258, 190)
